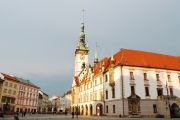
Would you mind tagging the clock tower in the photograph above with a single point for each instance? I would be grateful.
(81, 53)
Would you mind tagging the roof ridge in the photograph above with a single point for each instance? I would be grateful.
(149, 52)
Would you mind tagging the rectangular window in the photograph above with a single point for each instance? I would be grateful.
(147, 91)
(106, 94)
(5, 90)
(132, 90)
(159, 91)
(169, 78)
(145, 76)
(14, 92)
(10, 85)
(154, 108)
(113, 92)
(171, 91)
(106, 108)
(3, 99)
(157, 77)
(114, 109)
(106, 78)
(9, 91)
(131, 76)
(6, 83)
(15, 86)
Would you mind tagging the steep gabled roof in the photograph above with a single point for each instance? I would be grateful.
(104, 62)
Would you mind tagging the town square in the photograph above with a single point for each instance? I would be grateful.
(89, 60)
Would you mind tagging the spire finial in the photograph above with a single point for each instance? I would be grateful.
(83, 15)
(96, 54)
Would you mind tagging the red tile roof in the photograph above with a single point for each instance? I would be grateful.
(141, 59)
(97, 67)
(9, 77)
(147, 59)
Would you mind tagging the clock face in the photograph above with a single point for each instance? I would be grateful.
(82, 57)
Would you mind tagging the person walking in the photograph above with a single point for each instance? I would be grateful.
(72, 114)
(76, 114)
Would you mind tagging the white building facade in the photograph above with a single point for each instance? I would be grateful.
(129, 83)
(65, 102)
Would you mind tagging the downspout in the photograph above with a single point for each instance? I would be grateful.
(122, 90)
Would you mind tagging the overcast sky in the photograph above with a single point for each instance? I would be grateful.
(38, 37)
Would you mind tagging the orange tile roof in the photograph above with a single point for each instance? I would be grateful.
(141, 59)
(97, 66)
(9, 77)
(147, 59)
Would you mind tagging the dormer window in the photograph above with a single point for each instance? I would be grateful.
(131, 76)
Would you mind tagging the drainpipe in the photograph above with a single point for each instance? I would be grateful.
(122, 86)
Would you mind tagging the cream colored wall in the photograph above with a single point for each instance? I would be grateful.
(151, 75)
(14, 88)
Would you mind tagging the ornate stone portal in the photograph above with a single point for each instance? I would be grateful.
(134, 105)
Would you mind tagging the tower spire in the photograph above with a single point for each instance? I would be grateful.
(82, 43)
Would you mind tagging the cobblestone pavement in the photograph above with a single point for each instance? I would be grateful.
(69, 117)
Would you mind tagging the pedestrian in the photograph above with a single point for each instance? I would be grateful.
(16, 117)
(76, 114)
(72, 114)
(22, 113)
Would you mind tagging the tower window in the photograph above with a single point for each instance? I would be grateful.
(131, 76)
(132, 90)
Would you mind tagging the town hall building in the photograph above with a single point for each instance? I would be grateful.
(130, 83)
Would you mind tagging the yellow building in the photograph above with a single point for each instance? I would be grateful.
(9, 92)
